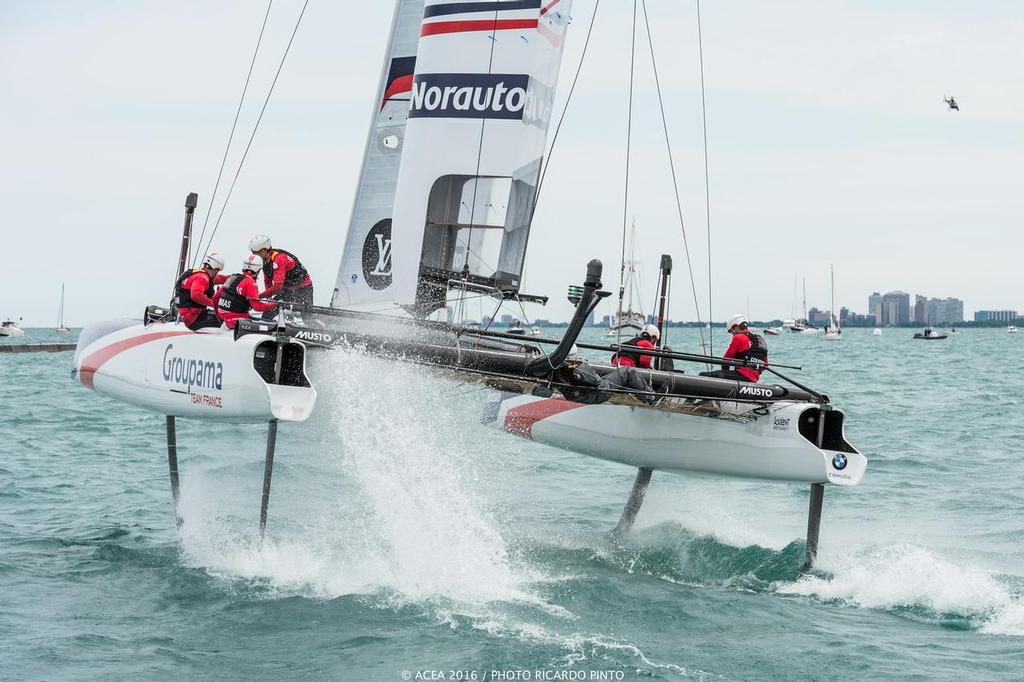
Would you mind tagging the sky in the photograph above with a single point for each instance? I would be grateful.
(828, 144)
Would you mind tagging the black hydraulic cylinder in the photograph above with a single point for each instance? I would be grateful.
(191, 201)
(541, 366)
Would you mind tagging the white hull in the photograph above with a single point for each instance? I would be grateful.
(166, 368)
(832, 336)
(11, 331)
(745, 445)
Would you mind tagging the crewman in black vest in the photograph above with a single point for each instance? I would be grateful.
(240, 293)
(193, 293)
(284, 277)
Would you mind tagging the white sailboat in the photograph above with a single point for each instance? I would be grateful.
(833, 332)
(629, 322)
(443, 209)
(61, 329)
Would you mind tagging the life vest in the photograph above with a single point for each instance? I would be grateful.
(230, 299)
(758, 349)
(182, 295)
(631, 354)
(294, 278)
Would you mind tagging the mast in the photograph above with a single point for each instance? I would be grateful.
(806, 319)
(60, 322)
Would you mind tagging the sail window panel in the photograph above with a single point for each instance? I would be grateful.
(477, 223)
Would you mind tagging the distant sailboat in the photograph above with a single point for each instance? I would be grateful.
(61, 329)
(833, 332)
(876, 332)
(629, 322)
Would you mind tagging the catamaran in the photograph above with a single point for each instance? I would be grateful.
(443, 211)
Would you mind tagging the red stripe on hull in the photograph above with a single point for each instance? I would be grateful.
(91, 364)
(441, 27)
(520, 420)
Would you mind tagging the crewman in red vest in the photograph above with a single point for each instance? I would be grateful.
(284, 277)
(193, 293)
(745, 345)
(240, 293)
(647, 338)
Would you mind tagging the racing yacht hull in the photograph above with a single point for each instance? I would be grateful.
(762, 441)
(171, 370)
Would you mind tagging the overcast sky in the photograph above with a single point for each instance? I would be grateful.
(829, 142)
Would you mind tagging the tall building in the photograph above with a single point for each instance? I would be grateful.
(875, 307)
(939, 311)
(896, 308)
(920, 303)
(995, 316)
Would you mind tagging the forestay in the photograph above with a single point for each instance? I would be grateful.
(364, 276)
(478, 119)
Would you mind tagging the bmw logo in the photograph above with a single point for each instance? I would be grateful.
(839, 462)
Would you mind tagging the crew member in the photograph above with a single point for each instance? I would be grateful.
(240, 293)
(647, 338)
(284, 277)
(745, 345)
(193, 293)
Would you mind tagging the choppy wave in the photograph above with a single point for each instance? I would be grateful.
(920, 584)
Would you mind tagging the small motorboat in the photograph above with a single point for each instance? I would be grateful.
(1012, 329)
(516, 328)
(954, 330)
(534, 330)
(10, 328)
(876, 332)
(930, 335)
(773, 331)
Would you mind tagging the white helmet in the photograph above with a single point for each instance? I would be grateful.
(252, 263)
(213, 261)
(735, 321)
(574, 354)
(652, 331)
(259, 242)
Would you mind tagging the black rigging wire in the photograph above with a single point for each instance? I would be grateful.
(561, 118)
(234, 124)
(258, 120)
(707, 188)
(672, 166)
(625, 197)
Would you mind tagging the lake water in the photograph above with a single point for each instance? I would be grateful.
(407, 537)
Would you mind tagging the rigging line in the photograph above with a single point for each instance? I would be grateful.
(258, 120)
(625, 196)
(565, 109)
(672, 167)
(480, 146)
(231, 136)
(707, 188)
